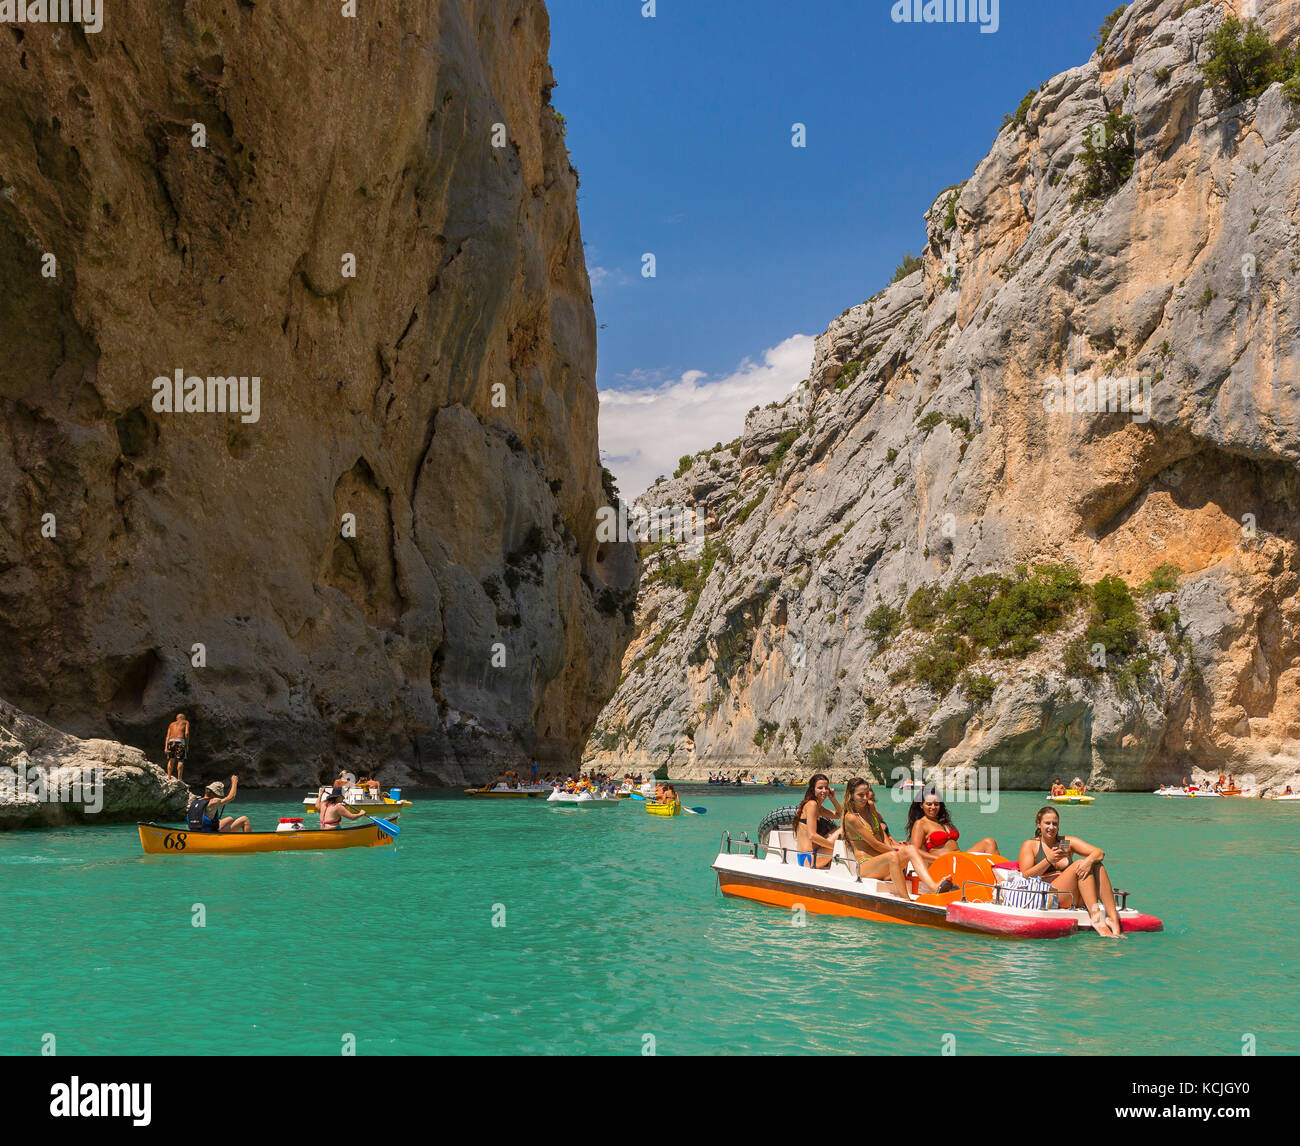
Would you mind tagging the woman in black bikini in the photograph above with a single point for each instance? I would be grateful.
(875, 849)
(931, 831)
(815, 832)
(1048, 857)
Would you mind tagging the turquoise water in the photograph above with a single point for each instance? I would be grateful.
(614, 932)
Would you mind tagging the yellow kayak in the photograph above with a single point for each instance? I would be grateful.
(663, 809)
(160, 841)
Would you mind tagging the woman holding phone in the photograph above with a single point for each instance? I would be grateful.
(1050, 856)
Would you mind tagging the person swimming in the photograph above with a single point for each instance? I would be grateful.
(1048, 857)
(931, 831)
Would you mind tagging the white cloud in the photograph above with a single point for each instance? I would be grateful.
(644, 431)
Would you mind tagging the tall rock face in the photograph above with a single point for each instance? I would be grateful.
(932, 444)
(387, 556)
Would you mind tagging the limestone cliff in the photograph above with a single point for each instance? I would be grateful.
(930, 447)
(388, 557)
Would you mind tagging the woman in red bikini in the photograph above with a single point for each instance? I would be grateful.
(931, 831)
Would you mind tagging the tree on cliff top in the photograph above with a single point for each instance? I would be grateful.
(1103, 33)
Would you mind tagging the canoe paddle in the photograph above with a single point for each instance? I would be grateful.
(638, 796)
(387, 825)
(695, 811)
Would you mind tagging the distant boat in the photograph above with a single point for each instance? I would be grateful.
(1071, 796)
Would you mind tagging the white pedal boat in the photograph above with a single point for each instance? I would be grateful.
(1191, 792)
(581, 800)
(776, 878)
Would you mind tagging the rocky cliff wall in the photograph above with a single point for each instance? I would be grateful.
(388, 557)
(926, 449)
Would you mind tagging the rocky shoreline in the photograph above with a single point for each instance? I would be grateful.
(50, 779)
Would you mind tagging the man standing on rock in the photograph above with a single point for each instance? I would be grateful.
(176, 745)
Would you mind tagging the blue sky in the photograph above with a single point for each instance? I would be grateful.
(681, 127)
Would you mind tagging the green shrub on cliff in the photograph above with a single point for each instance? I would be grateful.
(979, 687)
(910, 265)
(993, 613)
(607, 484)
(1018, 119)
(941, 662)
(1241, 61)
(742, 515)
(1114, 624)
(906, 728)
(1163, 579)
(1109, 156)
(783, 444)
(883, 624)
(1103, 33)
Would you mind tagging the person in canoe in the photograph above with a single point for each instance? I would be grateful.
(204, 813)
(814, 827)
(1049, 856)
(868, 835)
(332, 809)
(931, 831)
(176, 744)
(1058, 789)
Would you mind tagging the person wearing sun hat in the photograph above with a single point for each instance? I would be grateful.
(204, 813)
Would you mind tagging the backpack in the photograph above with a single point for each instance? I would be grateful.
(194, 817)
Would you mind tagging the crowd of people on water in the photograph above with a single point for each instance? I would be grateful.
(1059, 870)
(773, 781)
(583, 781)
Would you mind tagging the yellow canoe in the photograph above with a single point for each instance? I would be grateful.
(1071, 798)
(161, 841)
(663, 809)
